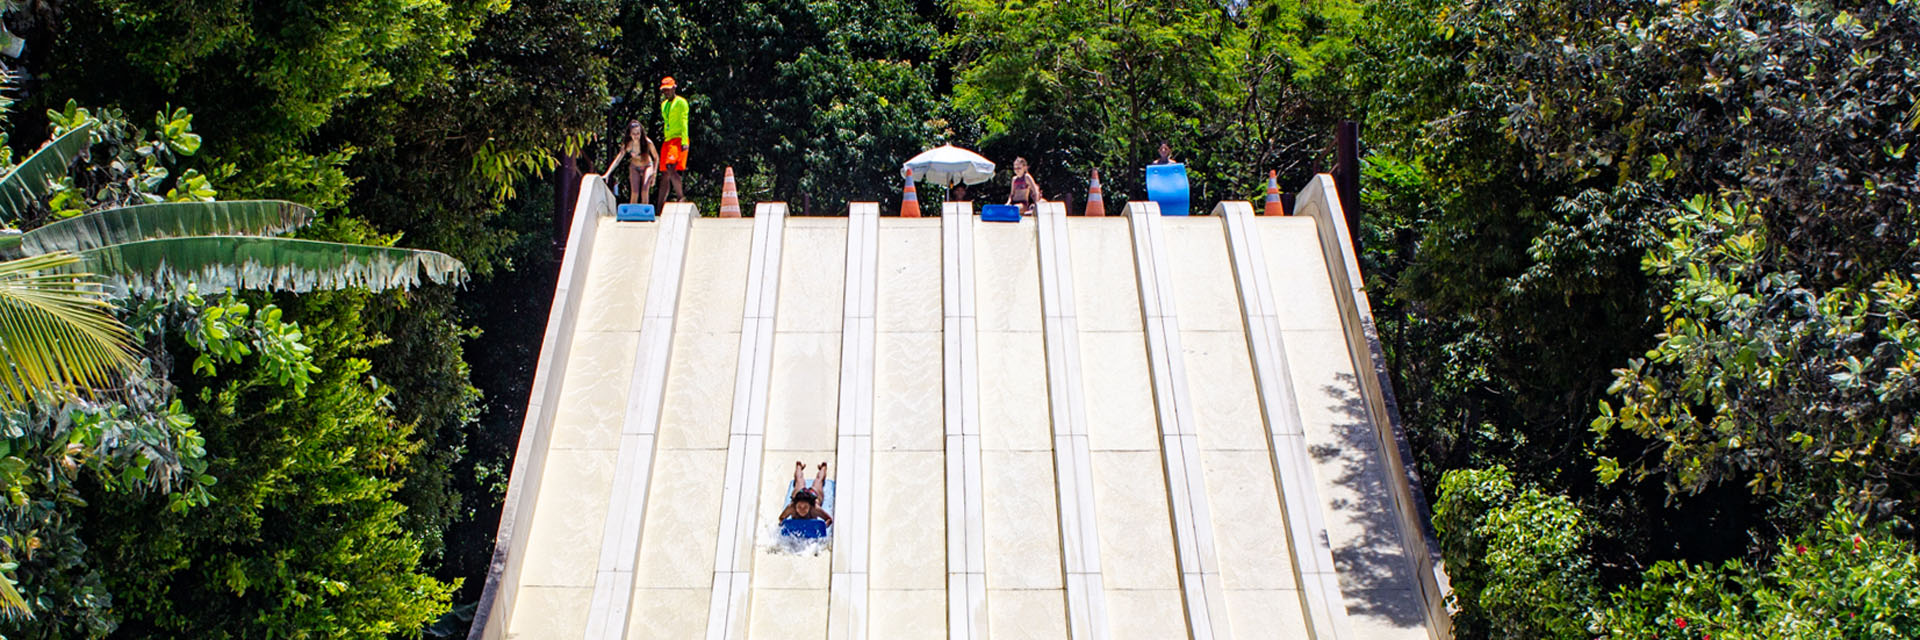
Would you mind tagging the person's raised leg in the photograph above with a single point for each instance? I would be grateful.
(820, 479)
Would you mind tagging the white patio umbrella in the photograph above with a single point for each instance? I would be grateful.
(950, 165)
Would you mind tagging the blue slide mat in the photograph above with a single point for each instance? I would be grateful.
(810, 528)
(634, 213)
(998, 213)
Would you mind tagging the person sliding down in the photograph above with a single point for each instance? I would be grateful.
(804, 504)
(674, 141)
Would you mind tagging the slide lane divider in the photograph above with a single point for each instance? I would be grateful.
(853, 502)
(1072, 454)
(620, 540)
(746, 436)
(1320, 597)
(1200, 580)
(966, 535)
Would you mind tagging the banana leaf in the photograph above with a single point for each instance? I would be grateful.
(166, 220)
(27, 183)
(279, 264)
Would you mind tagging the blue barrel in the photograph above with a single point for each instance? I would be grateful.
(1167, 185)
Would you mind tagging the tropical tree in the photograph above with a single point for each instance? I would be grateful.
(55, 324)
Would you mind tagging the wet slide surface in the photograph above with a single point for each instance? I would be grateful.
(1124, 427)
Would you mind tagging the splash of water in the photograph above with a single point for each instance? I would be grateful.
(771, 541)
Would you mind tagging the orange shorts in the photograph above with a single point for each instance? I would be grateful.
(673, 155)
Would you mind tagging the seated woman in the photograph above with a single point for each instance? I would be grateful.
(644, 156)
(1026, 191)
(804, 504)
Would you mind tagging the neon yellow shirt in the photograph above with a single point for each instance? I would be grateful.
(675, 113)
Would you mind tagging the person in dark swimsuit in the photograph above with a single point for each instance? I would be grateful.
(1026, 191)
(804, 504)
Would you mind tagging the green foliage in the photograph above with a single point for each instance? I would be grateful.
(1760, 377)
(303, 534)
(1516, 559)
(810, 102)
(141, 444)
(1842, 578)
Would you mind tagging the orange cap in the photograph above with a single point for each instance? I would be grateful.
(667, 82)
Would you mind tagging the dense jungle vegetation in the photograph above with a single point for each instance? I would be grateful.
(1646, 271)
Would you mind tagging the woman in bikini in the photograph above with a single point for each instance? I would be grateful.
(644, 158)
(1026, 191)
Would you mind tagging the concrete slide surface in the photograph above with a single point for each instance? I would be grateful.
(1132, 426)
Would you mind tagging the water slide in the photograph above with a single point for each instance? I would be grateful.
(1137, 426)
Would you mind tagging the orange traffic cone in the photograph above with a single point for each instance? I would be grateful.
(910, 201)
(1273, 196)
(1096, 203)
(729, 198)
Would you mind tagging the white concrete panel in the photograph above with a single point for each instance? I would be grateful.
(1013, 391)
(569, 518)
(682, 520)
(550, 612)
(1226, 407)
(621, 267)
(1027, 615)
(908, 290)
(908, 543)
(1249, 530)
(1106, 298)
(813, 275)
(908, 614)
(1006, 277)
(713, 290)
(1203, 276)
(781, 614)
(803, 401)
(699, 390)
(1266, 614)
(1023, 538)
(667, 613)
(1136, 531)
(593, 399)
(1154, 614)
(908, 414)
(1119, 391)
(1297, 269)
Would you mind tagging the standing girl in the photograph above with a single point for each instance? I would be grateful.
(643, 158)
(1026, 192)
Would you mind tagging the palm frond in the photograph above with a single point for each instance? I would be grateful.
(13, 606)
(282, 264)
(167, 220)
(27, 183)
(56, 330)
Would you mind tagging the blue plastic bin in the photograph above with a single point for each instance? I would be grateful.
(1167, 185)
(1000, 213)
(634, 213)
